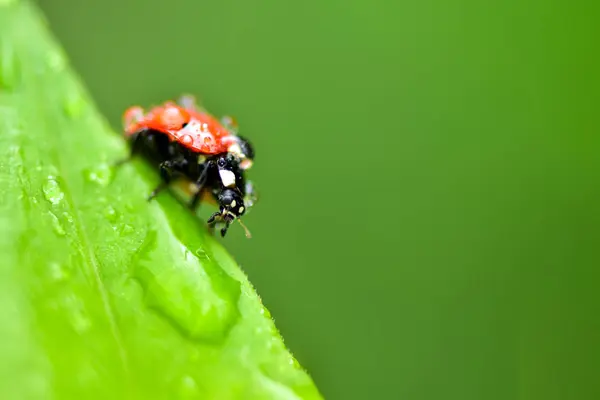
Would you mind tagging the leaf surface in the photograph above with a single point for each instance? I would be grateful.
(102, 294)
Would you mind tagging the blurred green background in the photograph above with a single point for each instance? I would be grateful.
(428, 225)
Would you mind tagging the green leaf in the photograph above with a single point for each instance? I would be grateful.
(103, 294)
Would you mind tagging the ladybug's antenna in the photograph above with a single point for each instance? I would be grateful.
(248, 234)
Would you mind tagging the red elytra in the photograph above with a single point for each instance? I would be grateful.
(194, 129)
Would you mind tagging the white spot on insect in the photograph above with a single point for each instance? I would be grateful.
(235, 149)
(241, 210)
(227, 177)
(246, 164)
(233, 203)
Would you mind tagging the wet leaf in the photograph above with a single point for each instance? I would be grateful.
(102, 294)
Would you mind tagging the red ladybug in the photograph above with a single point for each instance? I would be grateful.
(186, 141)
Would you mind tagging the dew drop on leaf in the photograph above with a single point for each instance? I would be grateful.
(110, 213)
(188, 388)
(56, 224)
(77, 314)
(68, 217)
(57, 272)
(202, 254)
(74, 105)
(55, 61)
(100, 175)
(265, 312)
(191, 293)
(126, 230)
(52, 191)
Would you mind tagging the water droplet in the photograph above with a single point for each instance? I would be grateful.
(265, 312)
(57, 272)
(202, 254)
(101, 175)
(186, 139)
(80, 322)
(9, 67)
(282, 368)
(77, 314)
(68, 217)
(192, 293)
(230, 123)
(126, 230)
(74, 105)
(52, 191)
(270, 343)
(55, 61)
(56, 225)
(110, 213)
(188, 388)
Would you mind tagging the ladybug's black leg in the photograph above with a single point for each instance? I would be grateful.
(216, 218)
(224, 229)
(193, 205)
(213, 220)
(168, 169)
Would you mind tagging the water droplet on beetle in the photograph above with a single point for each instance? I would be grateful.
(101, 175)
(52, 191)
(230, 123)
(186, 139)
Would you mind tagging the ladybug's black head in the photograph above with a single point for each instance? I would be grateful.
(231, 208)
(245, 151)
(231, 204)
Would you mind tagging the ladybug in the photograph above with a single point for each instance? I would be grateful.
(185, 141)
